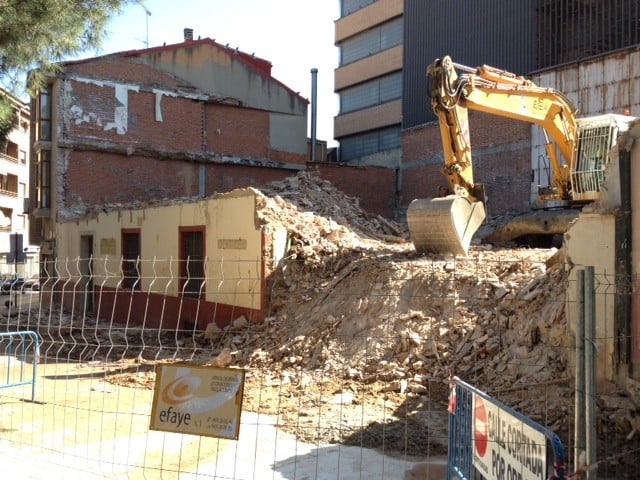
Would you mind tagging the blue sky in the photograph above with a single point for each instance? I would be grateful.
(294, 35)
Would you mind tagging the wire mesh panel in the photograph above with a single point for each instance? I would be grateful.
(347, 364)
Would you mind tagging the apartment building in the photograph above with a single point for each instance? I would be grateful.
(14, 187)
(368, 81)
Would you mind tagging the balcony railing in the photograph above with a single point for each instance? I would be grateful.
(8, 193)
(8, 158)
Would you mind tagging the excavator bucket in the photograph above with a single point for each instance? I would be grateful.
(444, 225)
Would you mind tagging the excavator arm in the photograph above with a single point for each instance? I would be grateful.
(446, 225)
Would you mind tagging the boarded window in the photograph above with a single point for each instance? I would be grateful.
(131, 259)
(192, 275)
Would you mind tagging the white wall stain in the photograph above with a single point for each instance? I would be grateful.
(121, 111)
(168, 93)
(78, 116)
(158, 106)
(120, 120)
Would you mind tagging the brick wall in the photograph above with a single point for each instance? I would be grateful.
(238, 131)
(127, 70)
(96, 178)
(373, 186)
(226, 177)
(100, 177)
(501, 156)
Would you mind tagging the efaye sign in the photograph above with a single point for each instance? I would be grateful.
(504, 447)
(198, 400)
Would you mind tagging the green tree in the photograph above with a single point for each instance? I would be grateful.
(35, 34)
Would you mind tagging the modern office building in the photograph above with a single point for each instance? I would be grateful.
(368, 81)
(386, 46)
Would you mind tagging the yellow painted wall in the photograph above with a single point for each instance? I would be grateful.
(233, 246)
(591, 242)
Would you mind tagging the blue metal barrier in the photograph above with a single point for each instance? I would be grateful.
(488, 440)
(15, 346)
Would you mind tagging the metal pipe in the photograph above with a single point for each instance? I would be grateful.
(579, 430)
(590, 370)
(314, 112)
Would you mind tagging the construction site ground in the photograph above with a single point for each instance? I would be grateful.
(363, 336)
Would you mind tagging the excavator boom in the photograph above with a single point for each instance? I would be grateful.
(446, 224)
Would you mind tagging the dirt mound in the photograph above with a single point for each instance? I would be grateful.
(355, 311)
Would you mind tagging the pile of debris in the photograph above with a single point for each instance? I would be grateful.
(354, 302)
(350, 304)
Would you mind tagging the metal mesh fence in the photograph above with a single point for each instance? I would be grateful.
(347, 373)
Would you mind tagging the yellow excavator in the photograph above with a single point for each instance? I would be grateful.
(577, 149)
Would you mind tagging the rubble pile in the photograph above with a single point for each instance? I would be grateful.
(323, 221)
(353, 302)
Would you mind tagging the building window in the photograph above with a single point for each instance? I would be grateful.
(357, 146)
(43, 115)
(372, 41)
(22, 157)
(192, 253)
(372, 93)
(350, 6)
(131, 259)
(5, 219)
(43, 179)
(569, 30)
(42, 137)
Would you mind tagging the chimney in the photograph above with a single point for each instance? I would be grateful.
(188, 34)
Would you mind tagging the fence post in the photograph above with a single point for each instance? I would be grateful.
(590, 370)
(579, 428)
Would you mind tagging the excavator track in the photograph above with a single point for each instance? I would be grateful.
(444, 225)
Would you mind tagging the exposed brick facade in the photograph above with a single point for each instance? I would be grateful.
(156, 154)
(373, 186)
(500, 150)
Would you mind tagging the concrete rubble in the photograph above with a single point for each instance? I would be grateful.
(352, 301)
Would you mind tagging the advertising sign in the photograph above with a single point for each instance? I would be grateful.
(504, 447)
(199, 400)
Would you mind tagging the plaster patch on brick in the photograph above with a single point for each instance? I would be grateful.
(161, 93)
(121, 112)
(169, 93)
(158, 107)
(78, 116)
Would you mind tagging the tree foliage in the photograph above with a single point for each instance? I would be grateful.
(38, 33)
(35, 34)
(7, 117)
